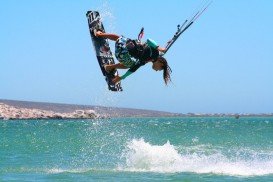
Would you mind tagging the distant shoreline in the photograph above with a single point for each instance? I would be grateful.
(8, 112)
(12, 109)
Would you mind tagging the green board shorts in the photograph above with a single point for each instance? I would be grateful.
(122, 53)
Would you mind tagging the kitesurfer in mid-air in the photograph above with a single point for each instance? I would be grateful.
(133, 54)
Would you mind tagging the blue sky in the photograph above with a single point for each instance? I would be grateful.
(223, 63)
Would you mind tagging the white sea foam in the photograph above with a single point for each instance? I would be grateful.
(144, 157)
(59, 170)
(107, 16)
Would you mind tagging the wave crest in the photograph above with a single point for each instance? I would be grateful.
(141, 156)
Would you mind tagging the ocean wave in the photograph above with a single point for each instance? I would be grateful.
(141, 156)
(56, 170)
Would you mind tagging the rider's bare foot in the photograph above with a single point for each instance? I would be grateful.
(98, 33)
(108, 68)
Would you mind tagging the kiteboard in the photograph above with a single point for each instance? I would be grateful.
(102, 49)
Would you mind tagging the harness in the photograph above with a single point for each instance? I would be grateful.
(135, 48)
(139, 51)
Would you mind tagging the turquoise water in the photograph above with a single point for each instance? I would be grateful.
(138, 149)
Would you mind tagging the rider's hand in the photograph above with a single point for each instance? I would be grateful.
(161, 49)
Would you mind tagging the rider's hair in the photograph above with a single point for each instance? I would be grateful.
(166, 70)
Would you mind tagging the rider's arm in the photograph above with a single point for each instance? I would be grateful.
(126, 74)
(154, 45)
(130, 71)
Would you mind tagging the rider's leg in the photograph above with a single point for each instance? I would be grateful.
(111, 67)
(110, 36)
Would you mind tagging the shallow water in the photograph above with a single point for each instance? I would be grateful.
(184, 149)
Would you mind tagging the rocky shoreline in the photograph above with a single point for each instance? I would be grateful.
(100, 111)
(8, 112)
(12, 109)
